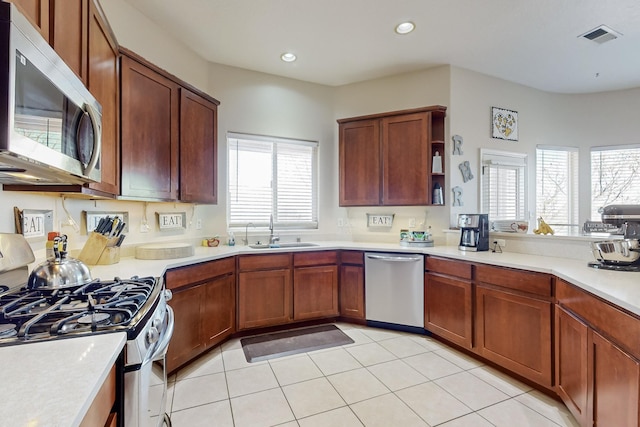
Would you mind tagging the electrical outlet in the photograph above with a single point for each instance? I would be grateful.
(412, 222)
(340, 222)
(199, 224)
(500, 242)
(144, 227)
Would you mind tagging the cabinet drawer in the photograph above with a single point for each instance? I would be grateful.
(197, 273)
(518, 280)
(264, 262)
(610, 321)
(449, 267)
(301, 259)
(352, 257)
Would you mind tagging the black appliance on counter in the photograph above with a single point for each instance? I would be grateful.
(620, 254)
(137, 306)
(474, 232)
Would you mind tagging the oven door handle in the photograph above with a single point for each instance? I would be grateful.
(163, 343)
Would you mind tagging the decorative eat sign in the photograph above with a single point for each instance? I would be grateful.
(376, 220)
(171, 221)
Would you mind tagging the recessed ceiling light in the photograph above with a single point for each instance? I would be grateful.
(288, 57)
(405, 27)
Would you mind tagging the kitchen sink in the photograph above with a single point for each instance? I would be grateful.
(284, 245)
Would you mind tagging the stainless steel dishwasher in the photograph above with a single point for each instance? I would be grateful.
(394, 291)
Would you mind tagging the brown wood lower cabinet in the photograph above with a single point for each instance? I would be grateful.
(315, 285)
(449, 308)
(571, 363)
(99, 413)
(315, 292)
(597, 363)
(614, 383)
(264, 298)
(204, 306)
(448, 300)
(351, 285)
(515, 332)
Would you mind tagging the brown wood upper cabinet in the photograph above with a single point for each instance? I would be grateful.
(198, 148)
(385, 159)
(150, 121)
(169, 136)
(37, 12)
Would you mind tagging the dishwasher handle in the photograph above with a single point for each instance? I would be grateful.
(394, 258)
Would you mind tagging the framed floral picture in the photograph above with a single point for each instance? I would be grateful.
(504, 124)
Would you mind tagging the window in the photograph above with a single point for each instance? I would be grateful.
(272, 176)
(615, 173)
(557, 186)
(503, 185)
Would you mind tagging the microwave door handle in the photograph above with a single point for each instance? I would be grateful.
(97, 139)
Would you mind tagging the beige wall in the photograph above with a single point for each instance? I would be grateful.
(264, 104)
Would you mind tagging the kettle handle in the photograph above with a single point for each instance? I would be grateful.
(56, 247)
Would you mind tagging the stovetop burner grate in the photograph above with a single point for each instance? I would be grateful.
(98, 306)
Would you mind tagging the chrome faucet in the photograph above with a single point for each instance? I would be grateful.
(272, 239)
(246, 234)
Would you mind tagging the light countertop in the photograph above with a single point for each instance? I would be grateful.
(53, 383)
(620, 288)
(55, 395)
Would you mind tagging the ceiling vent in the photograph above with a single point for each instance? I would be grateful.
(601, 34)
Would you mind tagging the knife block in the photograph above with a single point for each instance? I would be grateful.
(100, 250)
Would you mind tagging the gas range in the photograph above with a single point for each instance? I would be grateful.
(136, 306)
(30, 315)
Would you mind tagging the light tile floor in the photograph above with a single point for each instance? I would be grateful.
(386, 378)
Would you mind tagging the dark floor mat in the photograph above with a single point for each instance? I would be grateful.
(278, 344)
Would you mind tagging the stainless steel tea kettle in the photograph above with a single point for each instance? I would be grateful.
(59, 272)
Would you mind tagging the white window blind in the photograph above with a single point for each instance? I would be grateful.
(272, 176)
(615, 174)
(557, 186)
(503, 182)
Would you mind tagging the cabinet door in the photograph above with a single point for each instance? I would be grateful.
(218, 309)
(448, 308)
(69, 33)
(571, 363)
(37, 12)
(615, 384)
(186, 341)
(264, 298)
(149, 121)
(405, 160)
(315, 292)
(352, 291)
(360, 163)
(198, 149)
(102, 82)
(515, 332)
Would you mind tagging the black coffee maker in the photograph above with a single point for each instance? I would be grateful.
(474, 232)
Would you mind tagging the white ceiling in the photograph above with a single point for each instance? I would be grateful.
(531, 42)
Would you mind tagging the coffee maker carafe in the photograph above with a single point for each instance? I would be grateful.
(474, 232)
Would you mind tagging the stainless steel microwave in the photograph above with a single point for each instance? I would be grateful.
(50, 124)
